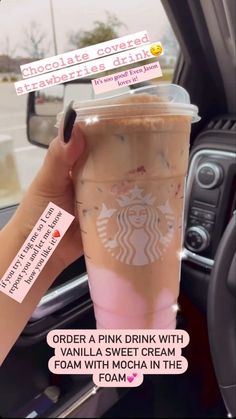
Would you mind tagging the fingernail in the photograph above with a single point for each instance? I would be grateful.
(68, 123)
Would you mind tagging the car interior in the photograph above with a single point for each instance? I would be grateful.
(206, 65)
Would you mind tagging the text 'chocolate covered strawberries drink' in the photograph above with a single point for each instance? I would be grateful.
(130, 194)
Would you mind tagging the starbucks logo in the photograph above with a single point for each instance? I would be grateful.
(138, 232)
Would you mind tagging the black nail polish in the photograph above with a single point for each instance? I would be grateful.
(69, 119)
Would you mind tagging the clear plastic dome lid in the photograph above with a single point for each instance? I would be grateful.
(151, 100)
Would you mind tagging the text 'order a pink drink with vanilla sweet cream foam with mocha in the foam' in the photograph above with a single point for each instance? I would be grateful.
(129, 197)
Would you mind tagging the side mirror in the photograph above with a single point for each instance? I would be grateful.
(44, 105)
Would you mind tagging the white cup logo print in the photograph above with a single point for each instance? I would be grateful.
(139, 239)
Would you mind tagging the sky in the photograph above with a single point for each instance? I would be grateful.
(73, 15)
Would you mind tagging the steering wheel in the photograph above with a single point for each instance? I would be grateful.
(221, 316)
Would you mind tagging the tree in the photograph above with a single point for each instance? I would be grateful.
(8, 49)
(169, 42)
(101, 32)
(8, 52)
(35, 41)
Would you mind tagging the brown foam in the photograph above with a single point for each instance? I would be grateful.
(141, 111)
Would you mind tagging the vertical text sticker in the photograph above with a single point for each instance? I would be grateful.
(35, 252)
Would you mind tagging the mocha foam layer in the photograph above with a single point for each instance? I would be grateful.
(140, 111)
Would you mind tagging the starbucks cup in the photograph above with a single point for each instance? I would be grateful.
(129, 198)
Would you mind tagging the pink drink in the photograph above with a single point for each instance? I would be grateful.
(130, 194)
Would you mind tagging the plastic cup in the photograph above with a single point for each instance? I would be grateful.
(130, 197)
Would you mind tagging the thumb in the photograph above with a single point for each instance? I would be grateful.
(54, 175)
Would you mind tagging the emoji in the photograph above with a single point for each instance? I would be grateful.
(56, 233)
(156, 49)
(131, 378)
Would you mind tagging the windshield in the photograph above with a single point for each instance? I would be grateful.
(34, 30)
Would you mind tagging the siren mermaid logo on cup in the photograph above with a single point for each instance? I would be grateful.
(143, 230)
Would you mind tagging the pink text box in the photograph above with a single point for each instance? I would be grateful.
(118, 358)
(35, 252)
(127, 77)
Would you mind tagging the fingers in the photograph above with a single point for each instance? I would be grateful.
(60, 158)
(74, 148)
(53, 182)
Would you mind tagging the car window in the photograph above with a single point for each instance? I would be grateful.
(33, 30)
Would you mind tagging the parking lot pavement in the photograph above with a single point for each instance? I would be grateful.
(28, 158)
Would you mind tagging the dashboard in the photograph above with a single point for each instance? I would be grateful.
(209, 204)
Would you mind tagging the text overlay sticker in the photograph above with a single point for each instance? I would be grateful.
(118, 358)
(35, 252)
(78, 71)
(127, 77)
(82, 55)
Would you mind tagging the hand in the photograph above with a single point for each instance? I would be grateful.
(53, 183)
